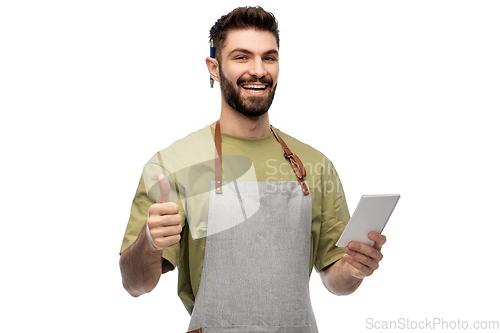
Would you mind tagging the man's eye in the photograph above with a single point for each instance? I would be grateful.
(270, 59)
(241, 58)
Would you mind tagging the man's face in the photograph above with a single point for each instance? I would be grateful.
(249, 71)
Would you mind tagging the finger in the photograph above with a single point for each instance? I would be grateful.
(164, 184)
(165, 242)
(358, 269)
(163, 208)
(166, 231)
(379, 239)
(364, 259)
(364, 250)
(164, 220)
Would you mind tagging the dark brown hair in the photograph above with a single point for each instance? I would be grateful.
(243, 18)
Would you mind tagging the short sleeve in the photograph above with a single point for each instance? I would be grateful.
(335, 215)
(137, 221)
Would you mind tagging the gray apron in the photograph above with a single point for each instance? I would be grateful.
(255, 275)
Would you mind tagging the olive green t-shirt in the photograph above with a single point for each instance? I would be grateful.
(189, 166)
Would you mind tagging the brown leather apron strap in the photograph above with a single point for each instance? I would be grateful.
(218, 159)
(295, 162)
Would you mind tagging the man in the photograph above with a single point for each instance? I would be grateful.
(243, 224)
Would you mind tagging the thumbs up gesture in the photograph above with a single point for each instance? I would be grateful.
(163, 226)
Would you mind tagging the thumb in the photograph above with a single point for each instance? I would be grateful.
(164, 189)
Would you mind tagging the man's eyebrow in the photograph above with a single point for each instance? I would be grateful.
(248, 52)
(275, 52)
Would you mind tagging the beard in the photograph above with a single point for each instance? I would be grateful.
(251, 106)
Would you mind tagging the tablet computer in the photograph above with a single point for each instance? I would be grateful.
(371, 214)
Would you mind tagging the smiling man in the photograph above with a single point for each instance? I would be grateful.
(248, 80)
(237, 211)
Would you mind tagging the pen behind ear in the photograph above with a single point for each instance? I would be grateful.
(212, 55)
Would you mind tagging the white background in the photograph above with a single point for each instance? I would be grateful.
(402, 96)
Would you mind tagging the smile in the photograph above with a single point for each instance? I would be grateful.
(255, 88)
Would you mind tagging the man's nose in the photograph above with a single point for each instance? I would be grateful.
(258, 69)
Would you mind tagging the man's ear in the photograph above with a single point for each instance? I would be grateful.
(213, 68)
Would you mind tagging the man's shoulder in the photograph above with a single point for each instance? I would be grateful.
(182, 158)
(202, 137)
(303, 150)
(192, 149)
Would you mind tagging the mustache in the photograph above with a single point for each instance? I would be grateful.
(255, 79)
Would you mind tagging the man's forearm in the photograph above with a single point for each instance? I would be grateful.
(338, 280)
(141, 266)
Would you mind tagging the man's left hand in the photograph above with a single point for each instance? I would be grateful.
(363, 259)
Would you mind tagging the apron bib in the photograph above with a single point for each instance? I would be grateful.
(255, 275)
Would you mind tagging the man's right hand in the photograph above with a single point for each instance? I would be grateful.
(164, 221)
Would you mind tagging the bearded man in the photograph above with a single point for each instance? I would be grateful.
(243, 210)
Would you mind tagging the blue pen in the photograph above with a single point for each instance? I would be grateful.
(212, 55)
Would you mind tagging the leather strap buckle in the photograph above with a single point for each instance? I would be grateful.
(297, 166)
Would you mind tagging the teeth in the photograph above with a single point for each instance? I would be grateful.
(254, 86)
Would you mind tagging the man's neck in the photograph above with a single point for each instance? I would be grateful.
(234, 123)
